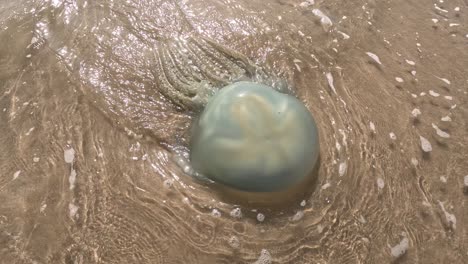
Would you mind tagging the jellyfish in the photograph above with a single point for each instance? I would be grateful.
(253, 138)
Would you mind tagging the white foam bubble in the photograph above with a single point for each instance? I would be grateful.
(416, 112)
(265, 257)
(43, 207)
(451, 219)
(236, 213)
(372, 126)
(432, 93)
(168, 183)
(72, 179)
(345, 36)
(446, 119)
(330, 81)
(444, 80)
(16, 175)
(412, 63)
(342, 168)
(439, 132)
(234, 242)
(72, 210)
(425, 144)
(216, 213)
(260, 217)
(29, 131)
(69, 155)
(380, 183)
(324, 20)
(325, 186)
(374, 57)
(401, 248)
(298, 216)
(307, 3)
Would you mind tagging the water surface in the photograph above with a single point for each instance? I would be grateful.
(97, 97)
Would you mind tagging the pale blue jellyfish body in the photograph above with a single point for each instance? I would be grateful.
(253, 138)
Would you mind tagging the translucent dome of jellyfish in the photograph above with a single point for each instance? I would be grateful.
(254, 138)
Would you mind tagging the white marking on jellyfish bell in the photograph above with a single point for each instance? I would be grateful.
(454, 25)
(456, 9)
(465, 181)
(439, 132)
(399, 79)
(392, 136)
(425, 144)
(36, 159)
(16, 175)
(412, 63)
(374, 57)
(435, 94)
(451, 219)
(443, 179)
(399, 249)
(416, 112)
(324, 20)
(446, 119)
(414, 161)
(342, 168)
(413, 73)
(448, 97)
(380, 183)
(435, 20)
(69, 155)
(330, 81)
(303, 203)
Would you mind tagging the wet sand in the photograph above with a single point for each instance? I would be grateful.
(97, 99)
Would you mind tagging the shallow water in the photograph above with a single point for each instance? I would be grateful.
(97, 98)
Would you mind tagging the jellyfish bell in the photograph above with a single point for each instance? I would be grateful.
(253, 139)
